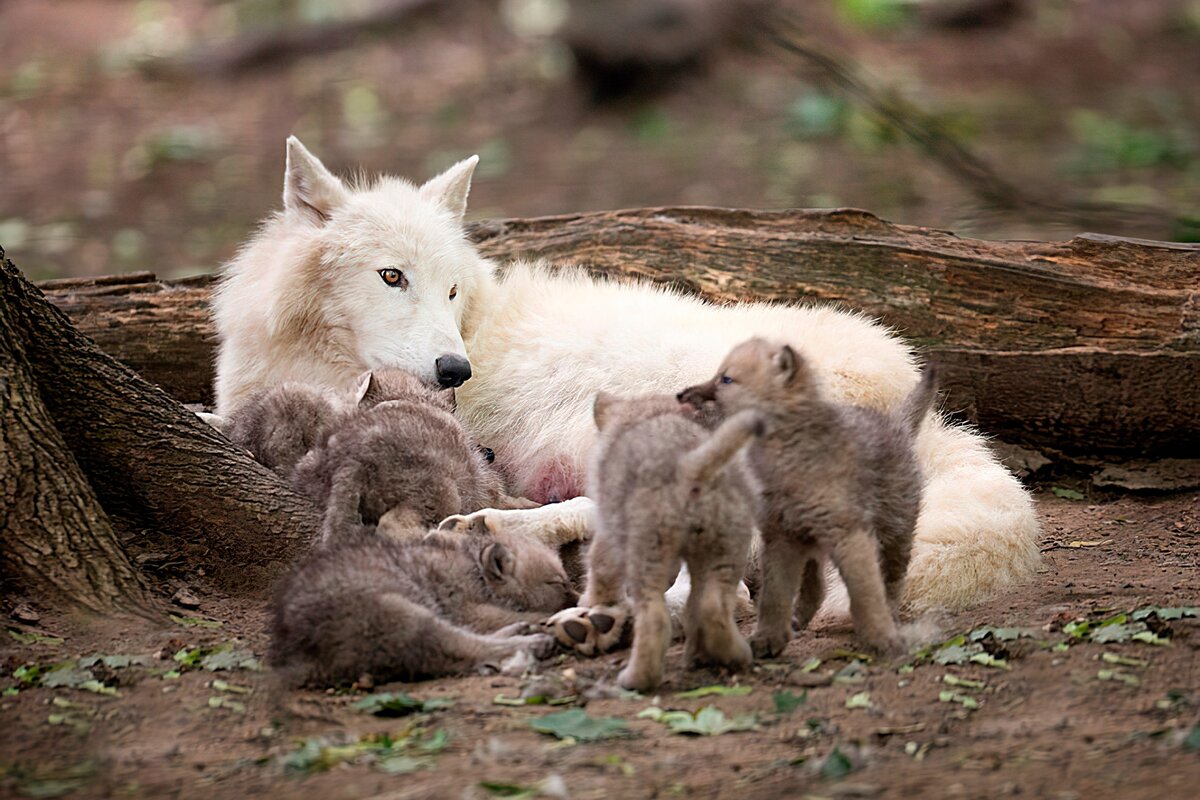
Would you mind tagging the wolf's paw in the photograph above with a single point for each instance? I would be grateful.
(638, 680)
(518, 629)
(592, 631)
(768, 645)
(214, 420)
(555, 525)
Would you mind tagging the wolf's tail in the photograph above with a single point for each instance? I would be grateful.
(920, 399)
(702, 463)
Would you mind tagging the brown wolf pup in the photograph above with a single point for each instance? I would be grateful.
(667, 491)
(401, 452)
(279, 425)
(442, 604)
(839, 481)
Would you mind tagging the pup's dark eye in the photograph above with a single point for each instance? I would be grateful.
(726, 379)
(453, 292)
(394, 277)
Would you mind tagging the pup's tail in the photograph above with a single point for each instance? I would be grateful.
(702, 463)
(916, 406)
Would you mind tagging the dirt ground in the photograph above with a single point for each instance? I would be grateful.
(1077, 721)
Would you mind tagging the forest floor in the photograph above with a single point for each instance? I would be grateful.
(1060, 711)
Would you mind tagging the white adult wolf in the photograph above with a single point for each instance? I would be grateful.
(354, 277)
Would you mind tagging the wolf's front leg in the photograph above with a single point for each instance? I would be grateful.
(555, 524)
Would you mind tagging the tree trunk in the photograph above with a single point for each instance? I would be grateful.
(1090, 346)
(100, 433)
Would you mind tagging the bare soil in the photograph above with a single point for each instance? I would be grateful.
(1048, 726)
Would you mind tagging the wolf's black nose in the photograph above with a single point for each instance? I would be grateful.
(452, 370)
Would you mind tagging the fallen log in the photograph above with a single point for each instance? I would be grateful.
(1090, 346)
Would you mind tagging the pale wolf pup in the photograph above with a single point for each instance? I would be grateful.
(668, 491)
(442, 604)
(407, 456)
(839, 482)
(351, 277)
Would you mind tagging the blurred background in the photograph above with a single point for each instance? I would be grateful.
(149, 135)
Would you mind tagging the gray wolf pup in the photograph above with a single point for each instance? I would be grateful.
(839, 482)
(667, 491)
(407, 454)
(442, 604)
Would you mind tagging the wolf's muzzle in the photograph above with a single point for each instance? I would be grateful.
(452, 370)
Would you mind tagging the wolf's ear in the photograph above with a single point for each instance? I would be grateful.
(787, 363)
(366, 383)
(308, 188)
(601, 406)
(450, 189)
(497, 561)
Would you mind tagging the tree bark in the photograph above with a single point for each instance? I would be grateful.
(155, 469)
(1090, 346)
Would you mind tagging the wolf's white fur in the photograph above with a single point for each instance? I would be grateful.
(304, 301)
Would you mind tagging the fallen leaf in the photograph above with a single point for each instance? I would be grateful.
(966, 701)
(1127, 678)
(576, 724)
(989, 660)
(722, 691)
(860, 700)
(233, 688)
(1167, 613)
(402, 765)
(227, 703)
(786, 702)
(33, 637)
(836, 765)
(708, 721)
(399, 704)
(511, 790)
(954, 680)
(1113, 658)
(1066, 494)
(811, 665)
(1097, 543)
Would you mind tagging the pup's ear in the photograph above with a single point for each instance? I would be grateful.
(601, 406)
(367, 385)
(308, 188)
(497, 561)
(450, 189)
(787, 363)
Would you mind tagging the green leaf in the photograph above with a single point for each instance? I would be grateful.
(954, 680)
(34, 637)
(534, 700)
(1192, 742)
(511, 790)
(966, 701)
(435, 743)
(227, 703)
(399, 704)
(99, 688)
(722, 691)
(989, 660)
(786, 702)
(860, 700)
(1167, 613)
(576, 724)
(233, 688)
(12, 691)
(1002, 634)
(956, 654)
(708, 721)
(195, 622)
(67, 674)
(1148, 637)
(1127, 678)
(1067, 494)
(27, 673)
(1117, 632)
(836, 765)
(1113, 658)
(811, 665)
(402, 765)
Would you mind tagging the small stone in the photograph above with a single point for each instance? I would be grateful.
(185, 598)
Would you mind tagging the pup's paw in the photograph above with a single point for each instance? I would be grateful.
(592, 631)
(555, 525)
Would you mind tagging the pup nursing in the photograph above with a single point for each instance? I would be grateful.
(839, 482)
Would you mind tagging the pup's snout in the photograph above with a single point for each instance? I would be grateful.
(696, 395)
(452, 370)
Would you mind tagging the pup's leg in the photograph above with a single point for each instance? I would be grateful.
(857, 559)
(894, 555)
(651, 623)
(782, 569)
(712, 634)
(555, 524)
(812, 592)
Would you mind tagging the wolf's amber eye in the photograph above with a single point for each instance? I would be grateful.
(394, 277)
(453, 292)
(726, 379)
